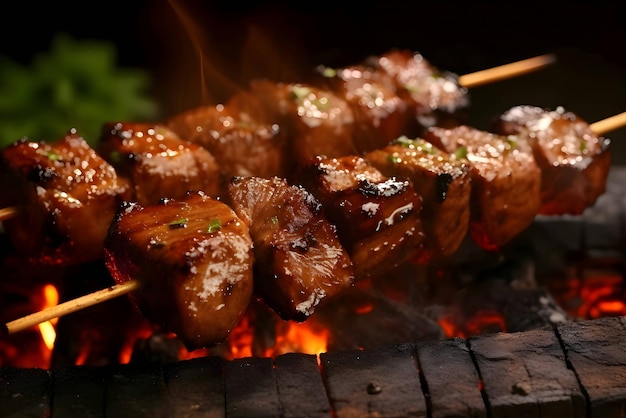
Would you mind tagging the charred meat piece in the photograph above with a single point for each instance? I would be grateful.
(158, 162)
(299, 261)
(193, 259)
(505, 182)
(436, 97)
(242, 145)
(574, 161)
(316, 121)
(377, 217)
(443, 182)
(380, 115)
(66, 196)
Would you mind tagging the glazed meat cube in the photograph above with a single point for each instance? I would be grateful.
(299, 259)
(316, 121)
(574, 161)
(157, 162)
(436, 97)
(378, 217)
(443, 182)
(505, 182)
(380, 114)
(242, 145)
(193, 260)
(66, 196)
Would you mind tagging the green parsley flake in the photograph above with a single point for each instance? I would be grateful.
(300, 92)
(394, 159)
(460, 153)
(329, 72)
(179, 223)
(274, 220)
(214, 226)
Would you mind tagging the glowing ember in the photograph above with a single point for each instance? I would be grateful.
(483, 321)
(48, 334)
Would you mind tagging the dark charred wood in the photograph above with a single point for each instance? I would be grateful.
(78, 391)
(300, 386)
(381, 382)
(251, 389)
(526, 375)
(135, 392)
(452, 382)
(596, 351)
(24, 392)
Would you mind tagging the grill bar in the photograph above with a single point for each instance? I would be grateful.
(576, 370)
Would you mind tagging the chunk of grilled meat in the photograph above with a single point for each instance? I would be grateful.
(158, 162)
(435, 96)
(505, 182)
(243, 145)
(299, 259)
(574, 161)
(377, 217)
(380, 115)
(316, 121)
(193, 259)
(66, 196)
(443, 182)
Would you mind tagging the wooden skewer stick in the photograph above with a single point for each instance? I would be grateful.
(603, 126)
(70, 306)
(501, 72)
(7, 213)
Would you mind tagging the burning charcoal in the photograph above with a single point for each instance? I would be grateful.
(24, 392)
(300, 386)
(525, 375)
(597, 352)
(196, 387)
(451, 378)
(383, 382)
(136, 392)
(78, 391)
(251, 389)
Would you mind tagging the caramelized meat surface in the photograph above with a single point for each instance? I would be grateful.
(193, 259)
(574, 161)
(158, 163)
(377, 217)
(299, 259)
(66, 196)
(436, 97)
(380, 115)
(505, 182)
(316, 121)
(443, 182)
(242, 145)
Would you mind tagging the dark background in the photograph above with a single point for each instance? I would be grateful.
(243, 40)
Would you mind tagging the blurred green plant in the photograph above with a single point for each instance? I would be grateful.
(76, 84)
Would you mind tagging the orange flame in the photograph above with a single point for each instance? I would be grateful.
(48, 333)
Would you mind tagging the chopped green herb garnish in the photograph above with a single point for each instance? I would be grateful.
(52, 156)
(460, 153)
(329, 72)
(405, 142)
(300, 92)
(321, 103)
(214, 226)
(274, 219)
(115, 156)
(512, 140)
(411, 88)
(394, 159)
(179, 223)
(583, 146)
